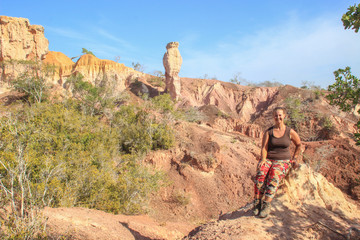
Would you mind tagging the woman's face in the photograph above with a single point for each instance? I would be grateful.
(279, 116)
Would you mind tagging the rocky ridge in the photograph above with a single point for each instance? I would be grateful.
(93, 69)
(307, 207)
(22, 42)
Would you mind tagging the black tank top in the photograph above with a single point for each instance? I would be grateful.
(279, 148)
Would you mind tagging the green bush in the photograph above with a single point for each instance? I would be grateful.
(163, 103)
(326, 123)
(73, 159)
(139, 132)
(190, 114)
(158, 80)
(295, 112)
(318, 93)
(31, 80)
(91, 100)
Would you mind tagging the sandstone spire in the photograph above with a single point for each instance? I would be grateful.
(172, 62)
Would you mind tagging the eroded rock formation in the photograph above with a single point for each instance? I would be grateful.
(20, 41)
(172, 62)
(63, 66)
(97, 70)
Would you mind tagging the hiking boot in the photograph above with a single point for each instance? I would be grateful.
(265, 209)
(257, 206)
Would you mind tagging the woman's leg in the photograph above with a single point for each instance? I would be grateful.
(260, 179)
(277, 172)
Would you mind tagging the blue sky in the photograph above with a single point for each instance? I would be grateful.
(285, 41)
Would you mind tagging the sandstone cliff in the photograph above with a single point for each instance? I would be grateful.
(93, 69)
(19, 41)
(96, 70)
(63, 66)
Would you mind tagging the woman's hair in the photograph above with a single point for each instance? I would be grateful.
(279, 108)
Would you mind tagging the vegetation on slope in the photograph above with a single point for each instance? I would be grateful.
(63, 154)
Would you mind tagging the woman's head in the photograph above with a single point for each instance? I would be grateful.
(279, 114)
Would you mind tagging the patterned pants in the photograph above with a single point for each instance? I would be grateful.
(270, 174)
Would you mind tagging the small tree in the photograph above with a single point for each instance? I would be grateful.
(117, 58)
(85, 51)
(238, 79)
(345, 93)
(351, 19)
(92, 99)
(138, 67)
(32, 81)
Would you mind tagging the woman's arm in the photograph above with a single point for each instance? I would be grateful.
(296, 140)
(264, 148)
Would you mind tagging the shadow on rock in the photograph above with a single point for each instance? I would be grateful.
(241, 212)
(136, 234)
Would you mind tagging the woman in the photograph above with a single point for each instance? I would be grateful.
(275, 161)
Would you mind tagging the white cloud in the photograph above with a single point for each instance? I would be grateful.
(124, 44)
(297, 51)
(66, 32)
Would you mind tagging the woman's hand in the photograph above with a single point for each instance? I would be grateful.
(261, 163)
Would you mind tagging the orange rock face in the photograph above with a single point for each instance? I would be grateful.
(63, 66)
(96, 70)
(20, 40)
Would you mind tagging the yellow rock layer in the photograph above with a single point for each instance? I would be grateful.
(63, 65)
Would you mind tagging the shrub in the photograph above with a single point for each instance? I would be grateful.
(32, 79)
(181, 198)
(139, 132)
(91, 100)
(158, 80)
(326, 123)
(190, 114)
(138, 67)
(328, 129)
(318, 93)
(295, 112)
(85, 51)
(163, 102)
(73, 159)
